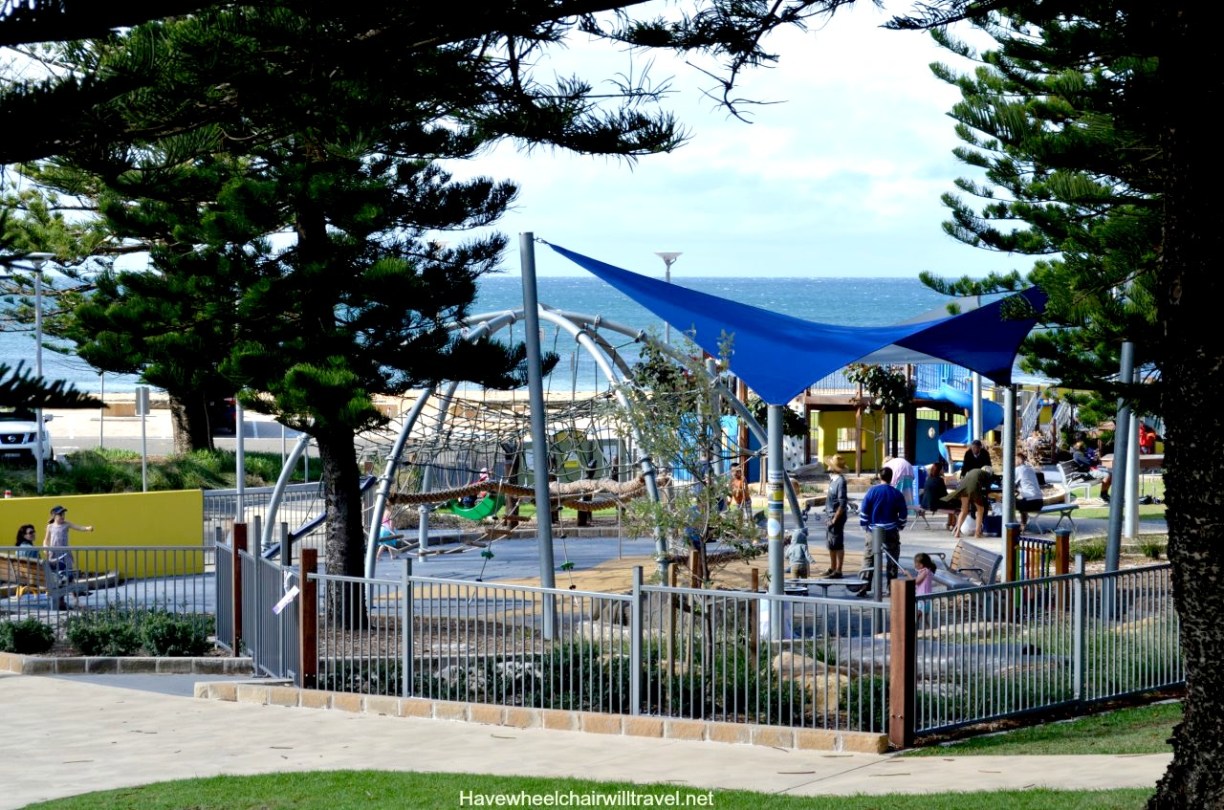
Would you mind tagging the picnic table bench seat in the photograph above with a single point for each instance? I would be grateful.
(30, 575)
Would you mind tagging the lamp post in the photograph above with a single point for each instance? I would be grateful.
(669, 258)
(37, 260)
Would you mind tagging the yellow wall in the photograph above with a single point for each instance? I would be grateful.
(123, 519)
(824, 437)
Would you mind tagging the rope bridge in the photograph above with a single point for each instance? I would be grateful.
(573, 494)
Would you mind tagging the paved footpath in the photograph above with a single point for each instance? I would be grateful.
(67, 736)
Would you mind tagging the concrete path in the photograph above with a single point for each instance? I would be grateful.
(69, 735)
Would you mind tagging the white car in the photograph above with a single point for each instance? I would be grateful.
(19, 438)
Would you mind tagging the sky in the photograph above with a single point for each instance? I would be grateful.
(841, 177)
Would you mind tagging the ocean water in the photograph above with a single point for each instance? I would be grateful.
(847, 301)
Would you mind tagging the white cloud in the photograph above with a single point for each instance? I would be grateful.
(843, 177)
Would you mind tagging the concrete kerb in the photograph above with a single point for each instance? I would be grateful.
(130, 665)
(784, 737)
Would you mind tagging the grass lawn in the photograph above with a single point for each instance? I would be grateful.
(341, 790)
(1139, 730)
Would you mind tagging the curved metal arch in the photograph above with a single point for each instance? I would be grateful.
(584, 328)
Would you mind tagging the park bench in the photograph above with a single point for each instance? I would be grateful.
(969, 567)
(35, 576)
(956, 454)
(1069, 477)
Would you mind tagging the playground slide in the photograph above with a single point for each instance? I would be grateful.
(992, 417)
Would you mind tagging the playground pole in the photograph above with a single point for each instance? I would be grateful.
(975, 409)
(1122, 441)
(539, 437)
(1009, 453)
(773, 508)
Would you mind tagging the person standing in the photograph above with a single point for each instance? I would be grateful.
(1033, 445)
(837, 510)
(883, 507)
(739, 487)
(904, 477)
(973, 491)
(55, 541)
(1147, 439)
(924, 584)
(975, 458)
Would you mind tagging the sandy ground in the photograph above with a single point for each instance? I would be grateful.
(615, 576)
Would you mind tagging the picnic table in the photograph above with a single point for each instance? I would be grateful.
(824, 583)
(1150, 461)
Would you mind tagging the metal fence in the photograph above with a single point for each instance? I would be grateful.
(300, 504)
(301, 510)
(170, 579)
(1039, 644)
(980, 654)
(269, 615)
(670, 652)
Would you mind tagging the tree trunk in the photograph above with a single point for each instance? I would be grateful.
(345, 532)
(1191, 290)
(189, 418)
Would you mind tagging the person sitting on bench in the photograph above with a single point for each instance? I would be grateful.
(25, 542)
(1090, 465)
(1028, 490)
(935, 491)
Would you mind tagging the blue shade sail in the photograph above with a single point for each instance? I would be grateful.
(779, 356)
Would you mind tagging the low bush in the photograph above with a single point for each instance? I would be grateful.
(123, 630)
(103, 471)
(26, 637)
(175, 635)
(111, 632)
(1093, 549)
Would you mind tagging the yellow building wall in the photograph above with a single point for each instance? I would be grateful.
(825, 425)
(172, 518)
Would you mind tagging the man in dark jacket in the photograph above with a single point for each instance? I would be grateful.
(883, 507)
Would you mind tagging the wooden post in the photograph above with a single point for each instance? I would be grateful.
(1062, 551)
(858, 431)
(308, 624)
(1062, 561)
(902, 665)
(696, 575)
(240, 545)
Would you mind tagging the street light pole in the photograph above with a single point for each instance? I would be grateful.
(669, 258)
(37, 260)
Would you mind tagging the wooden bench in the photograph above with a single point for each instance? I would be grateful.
(969, 567)
(956, 454)
(35, 575)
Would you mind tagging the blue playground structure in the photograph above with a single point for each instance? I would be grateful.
(992, 418)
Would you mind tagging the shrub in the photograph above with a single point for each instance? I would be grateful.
(175, 635)
(1093, 549)
(1152, 549)
(113, 631)
(26, 637)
